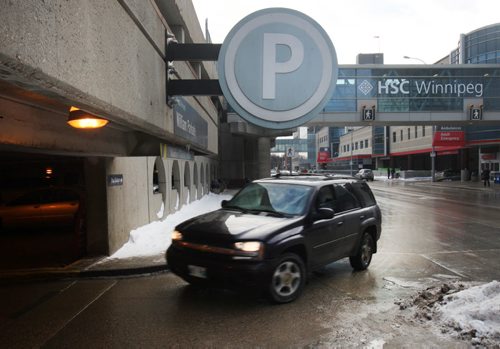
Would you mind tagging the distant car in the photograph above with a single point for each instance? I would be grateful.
(448, 175)
(275, 231)
(365, 174)
(40, 208)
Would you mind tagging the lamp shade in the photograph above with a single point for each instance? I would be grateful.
(78, 118)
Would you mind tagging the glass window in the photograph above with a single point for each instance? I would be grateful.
(409, 136)
(362, 193)
(344, 201)
(325, 198)
(366, 143)
(423, 131)
(416, 131)
(401, 135)
(283, 198)
(394, 137)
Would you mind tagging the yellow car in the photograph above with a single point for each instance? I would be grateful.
(47, 207)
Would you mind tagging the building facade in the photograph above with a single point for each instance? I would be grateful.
(108, 58)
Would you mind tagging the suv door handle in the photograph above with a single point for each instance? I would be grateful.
(361, 217)
(340, 223)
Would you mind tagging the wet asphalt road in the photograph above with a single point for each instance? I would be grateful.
(430, 236)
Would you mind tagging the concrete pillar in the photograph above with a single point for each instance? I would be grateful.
(96, 206)
(263, 157)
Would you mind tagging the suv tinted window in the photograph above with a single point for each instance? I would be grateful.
(362, 192)
(344, 201)
(325, 197)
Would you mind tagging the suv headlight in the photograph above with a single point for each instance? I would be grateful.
(249, 250)
(248, 246)
(176, 235)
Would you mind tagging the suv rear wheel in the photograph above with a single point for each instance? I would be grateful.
(362, 259)
(288, 278)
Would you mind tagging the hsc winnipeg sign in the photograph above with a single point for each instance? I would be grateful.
(277, 68)
(422, 87)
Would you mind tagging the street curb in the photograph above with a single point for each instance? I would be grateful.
(44, 275)
(123, 272)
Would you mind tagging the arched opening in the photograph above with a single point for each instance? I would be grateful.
(187, 182)
(176, 185)
(202, 180)
(195, 180)
(159, 187)
(207, 179)
(159, 178)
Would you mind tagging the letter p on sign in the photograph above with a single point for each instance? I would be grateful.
(271, 66)
(277, 68)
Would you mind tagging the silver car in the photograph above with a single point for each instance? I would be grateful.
(365, 173)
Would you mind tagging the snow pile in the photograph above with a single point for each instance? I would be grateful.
(472, 312)
(154, 238)
(475, 311)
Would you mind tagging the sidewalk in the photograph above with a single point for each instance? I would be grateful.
(468, 185)
(91, 267)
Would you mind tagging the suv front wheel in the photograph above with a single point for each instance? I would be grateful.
(362, 259)
(288, 278)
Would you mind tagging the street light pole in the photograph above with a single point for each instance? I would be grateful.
(351, 151)
(433, 156)
(418, 59)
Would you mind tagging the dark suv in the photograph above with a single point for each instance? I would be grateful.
(275, 231)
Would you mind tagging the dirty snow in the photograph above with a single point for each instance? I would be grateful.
(467, 311)
(475, 310)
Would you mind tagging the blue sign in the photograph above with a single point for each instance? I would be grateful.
(189, 124)
(277, 68)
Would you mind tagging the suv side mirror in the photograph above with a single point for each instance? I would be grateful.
(223, 203)
(323, 213)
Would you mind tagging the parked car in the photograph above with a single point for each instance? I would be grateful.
(275, 231)
(41, 208)
(365, 173)
(448, 175)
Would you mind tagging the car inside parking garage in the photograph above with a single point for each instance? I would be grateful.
(42, 210)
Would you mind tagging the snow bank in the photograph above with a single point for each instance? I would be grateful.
(154, 238)
(466, 310)
(475, 309)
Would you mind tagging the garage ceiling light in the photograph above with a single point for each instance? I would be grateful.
(81, 119)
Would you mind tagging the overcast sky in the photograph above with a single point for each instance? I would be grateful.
(425, 29)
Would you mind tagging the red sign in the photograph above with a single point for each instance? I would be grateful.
(323, 154)
(489, 156)
(447, 136)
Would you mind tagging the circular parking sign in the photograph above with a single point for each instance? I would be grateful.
(277, 68)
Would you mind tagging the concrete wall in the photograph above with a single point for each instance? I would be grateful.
(413, 143)
(128, 204)
(106, 57)
(358, 135)
(91, 48)
(135, 204)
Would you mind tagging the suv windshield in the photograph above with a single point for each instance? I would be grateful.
(272, 197)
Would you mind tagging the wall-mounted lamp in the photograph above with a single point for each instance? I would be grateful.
(172, 101)
(78, 118)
